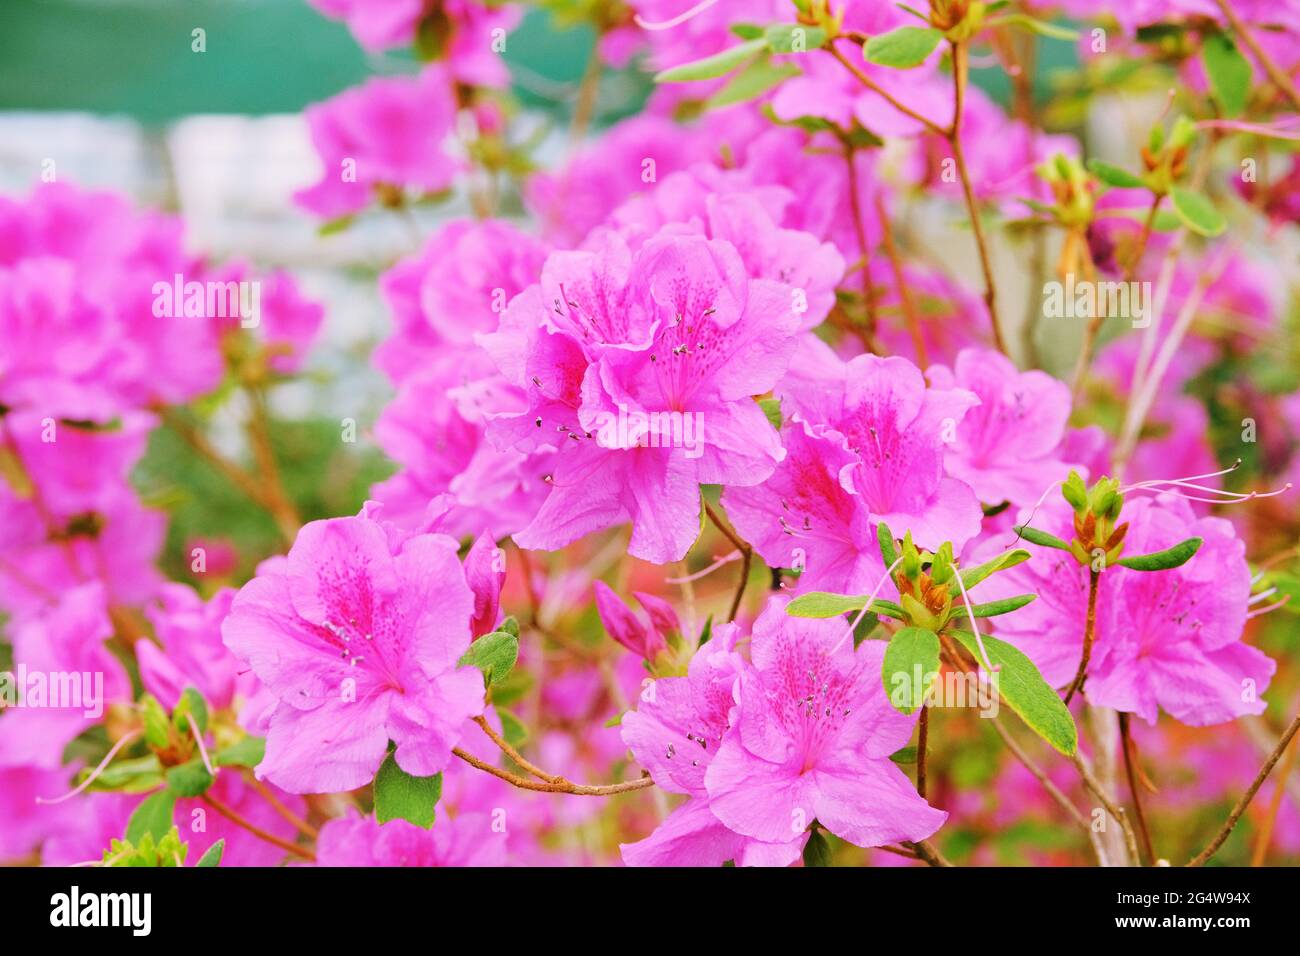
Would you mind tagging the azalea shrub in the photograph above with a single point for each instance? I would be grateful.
(877, 448)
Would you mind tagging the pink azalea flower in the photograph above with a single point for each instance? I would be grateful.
(468, 26)
(289, 322)
(485, 572)
(1164, 640)
(897, 430)
(675, 734)
(1008, 446)
(804, 518)
(189, 651)
(811, 738)
(435, 428)
(647, 641)
(24, 823)
(630, 157)
(388, 132)
(455, 287)
(359, 640)
(69, 639)
(722, 204)
(468, 840)
(611, 338)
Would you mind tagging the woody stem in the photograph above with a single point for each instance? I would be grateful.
(1089, 632)
(257, 831)
(1240, 808)
(558, 785)
(960, 55)
(921, 740)
(746, 553)
(1130, 758)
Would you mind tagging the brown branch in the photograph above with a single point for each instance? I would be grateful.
(746, 552)
(237, 476)
(928, 852)
(871, 84)
(859, 228)
(514, 754)
(1274, 807)
(1130, 759)
(559, 785)
(301, 825)
(259, 433)
(257, 831)
(953, 134)
(1240, 808)
(1089, 634)
(904, 291)
(922, 738)
(1114, 809)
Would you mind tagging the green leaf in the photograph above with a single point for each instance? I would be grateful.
(905, 756)
(333, 226)
(190, 779)
(153, 817)
(156, 731)
(494, 654)
(1197, 213)
(772, 409)
(747, 31)
(911, 663)
(248, 752)
(212, 855)
(994, 608)
(794, 38)
(1025, 692)
(886, 539)
(1229, 72)
(817, 851)
(512, 728)
(1173, 557)
(1114, 175)
(825, 604)
(865, 626)
(510, 625)
(1040, 538)
(191, 703)
(712, 67)
(400, 796)
(1008, 559)
(902, 48)
(1035, 25)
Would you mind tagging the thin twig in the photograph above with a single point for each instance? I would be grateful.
(1114, 809)
(1274, 807)
(904, 290)
(1130, 759)
(871, 84)
(1240, 808)
(1089, 635)
(301, 825)
(959, 64)
(747, 555)
(921, 742)
(514, 754)
(257, 831)
(860, 229)
(560, 785)
(928, 852)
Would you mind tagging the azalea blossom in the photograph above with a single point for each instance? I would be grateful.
(359, 641)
